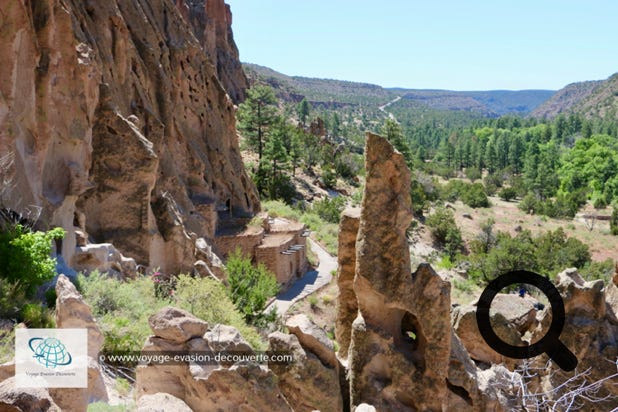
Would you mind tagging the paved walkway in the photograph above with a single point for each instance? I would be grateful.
(311, 282)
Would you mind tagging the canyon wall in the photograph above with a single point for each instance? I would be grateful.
(116, 120)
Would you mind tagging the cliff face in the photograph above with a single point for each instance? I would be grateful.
(212, 25)
(118, 123)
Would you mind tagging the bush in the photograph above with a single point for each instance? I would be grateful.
(122, 308)
(329, 209)
(507, 194)
(613, 222)
(474, 196)
(530, 204)
(250, 287)
(25, 256)
(444, 230)
(12, 299)
(34, 315)
(208, 300)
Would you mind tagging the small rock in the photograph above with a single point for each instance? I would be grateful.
(176, 325)
(161, 402)
(312, 338)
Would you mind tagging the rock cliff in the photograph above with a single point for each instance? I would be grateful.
(116, 117)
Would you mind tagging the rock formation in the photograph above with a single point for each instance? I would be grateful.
(307, 383)
(398, 357)
(71, 312)
(119, 124)
(590, 332)
(212, 25)
(206, 386)
(347, 307)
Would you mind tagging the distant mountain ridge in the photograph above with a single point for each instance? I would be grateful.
(330, 92)
(598, 98)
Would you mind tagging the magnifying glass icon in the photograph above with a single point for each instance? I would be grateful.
(550, 343)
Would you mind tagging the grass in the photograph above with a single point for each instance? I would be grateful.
(7, 345)
(123, 308)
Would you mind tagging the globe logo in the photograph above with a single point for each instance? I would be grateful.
(50, 352)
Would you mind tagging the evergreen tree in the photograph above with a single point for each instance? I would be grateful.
(392, 130)
(303, 111)
(256, 115)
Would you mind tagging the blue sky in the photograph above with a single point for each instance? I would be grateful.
(459, 45)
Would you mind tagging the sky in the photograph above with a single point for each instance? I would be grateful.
(432, 44)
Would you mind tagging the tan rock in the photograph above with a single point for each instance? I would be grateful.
(103, 257)
(347, 306)
(518, 311)
(307, 383)
(211, 386)
(73, 312)
(7, 370)
(161, 402)
(398, 356)
(176, 325)
(466, 328)
(25, 399)
(312, 338)
(77, 399)
(227, 339)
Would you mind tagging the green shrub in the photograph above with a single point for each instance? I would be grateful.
(444, 230)
(599, 270)
(7, 345)
(34, 315)
(329, 209)
(122, 308)
(507, 194)
(530, 204)
(613, 222)
(250, 287)
(208, 300)
(25, 256)
(474, 196)
(12, 299)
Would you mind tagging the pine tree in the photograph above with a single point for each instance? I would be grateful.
(256, 115)
(303, 110)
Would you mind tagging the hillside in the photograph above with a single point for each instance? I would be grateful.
(338, 93)
(591, 98)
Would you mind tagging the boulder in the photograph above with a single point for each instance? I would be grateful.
(224, 338)
(312, 338)
(161, 402)
(307, 383)
(211, 385)
(519, 311)
(176, 325)
(7, 370)
(103, 257)
(73, 312)
(25, 399)
(347, 306)
(466, 328)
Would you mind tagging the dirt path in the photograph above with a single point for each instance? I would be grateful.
(308, 284)
(383, 108)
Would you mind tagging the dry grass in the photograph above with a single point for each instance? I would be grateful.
(507, 217)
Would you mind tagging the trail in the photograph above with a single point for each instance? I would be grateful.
(308, 284)
(383, 108)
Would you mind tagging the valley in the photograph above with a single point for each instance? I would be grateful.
(328, 239)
